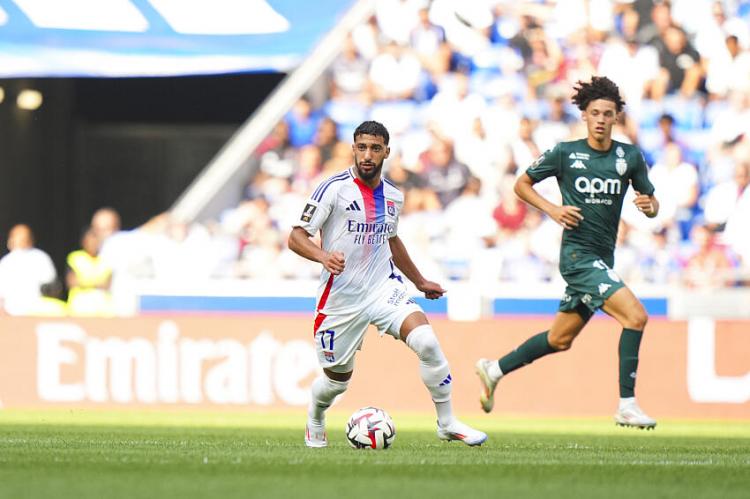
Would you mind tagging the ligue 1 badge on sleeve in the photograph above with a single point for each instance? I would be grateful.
(308, 212)
(538, 160)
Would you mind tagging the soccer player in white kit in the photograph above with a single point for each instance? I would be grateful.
(357, 213)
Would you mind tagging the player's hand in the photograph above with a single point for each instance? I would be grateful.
(431, 290)
(644, 204)
(334, 262)
(567, 216)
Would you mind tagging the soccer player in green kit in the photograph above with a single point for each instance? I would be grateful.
(593, 175)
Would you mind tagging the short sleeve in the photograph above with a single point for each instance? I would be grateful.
(397, 206)
(317, 209)
(640, 180)
(546, 165)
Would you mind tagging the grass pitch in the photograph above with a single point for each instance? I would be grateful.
(77, 454)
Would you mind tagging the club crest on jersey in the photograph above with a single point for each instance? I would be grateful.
(390, 207)
(621, 166)
(308, 212)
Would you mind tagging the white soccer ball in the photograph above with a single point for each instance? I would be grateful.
(370, 428)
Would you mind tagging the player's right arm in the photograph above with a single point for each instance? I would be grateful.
(318, 208)
(567, 216)
(300, 243)
(549, 164)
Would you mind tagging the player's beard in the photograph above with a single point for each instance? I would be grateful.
(369, 175)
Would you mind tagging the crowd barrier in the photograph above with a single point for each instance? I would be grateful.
(698, 368)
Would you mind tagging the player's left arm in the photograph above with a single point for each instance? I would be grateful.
(646, 203)
(403, 261)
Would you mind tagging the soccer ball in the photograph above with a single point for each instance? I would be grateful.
(370, 428)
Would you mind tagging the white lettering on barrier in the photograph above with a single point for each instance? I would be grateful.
(226, 383)
(171, 369)
(293, 364)
(704, 385)
(112, 361)
(166, 346)
(51, 356)
(192, 355)
(261, 353)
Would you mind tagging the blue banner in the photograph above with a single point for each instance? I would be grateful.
(111, 38)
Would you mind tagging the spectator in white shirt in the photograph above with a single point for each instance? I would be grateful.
(23, 271)
(677, 180)
(722, 198)
(633, 66)
(395, 73)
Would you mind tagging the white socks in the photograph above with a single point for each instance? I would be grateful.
(434, 370)
(625, 402)
(494, 371)
(324, 391)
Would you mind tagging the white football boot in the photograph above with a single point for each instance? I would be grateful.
(633, 416)
(487, 395)
(461, 432)
(315, 435)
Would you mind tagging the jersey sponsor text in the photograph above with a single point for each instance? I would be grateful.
(598, 186)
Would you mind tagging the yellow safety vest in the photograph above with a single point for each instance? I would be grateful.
(85, 298)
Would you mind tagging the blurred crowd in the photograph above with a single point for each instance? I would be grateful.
(472, 93)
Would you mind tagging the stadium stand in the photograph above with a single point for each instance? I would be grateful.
(486, 96)
(472, 94)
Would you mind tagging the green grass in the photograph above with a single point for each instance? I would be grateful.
(80, 454)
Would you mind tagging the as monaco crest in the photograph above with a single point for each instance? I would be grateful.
(620, 164)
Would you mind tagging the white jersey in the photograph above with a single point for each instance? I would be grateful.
(357, 221)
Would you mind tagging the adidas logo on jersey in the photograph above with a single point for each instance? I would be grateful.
(578, 165)
(353, 207)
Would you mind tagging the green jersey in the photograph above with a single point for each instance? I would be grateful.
(596, 182)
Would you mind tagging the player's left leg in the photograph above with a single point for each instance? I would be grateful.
(434, 370)
(559, 337)
(624, 307)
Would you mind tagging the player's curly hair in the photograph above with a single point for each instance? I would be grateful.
(372, 128)
(600, 87)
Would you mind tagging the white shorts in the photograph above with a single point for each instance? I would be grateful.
(338, 337)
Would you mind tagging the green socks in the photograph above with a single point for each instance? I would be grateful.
(533, 348)
(630, 343)
(537, 346)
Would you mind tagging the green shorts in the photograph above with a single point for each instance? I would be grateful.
(590, 283)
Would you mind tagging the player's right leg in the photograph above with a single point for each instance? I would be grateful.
(336, 342)
(324, 391)
(560, 336)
